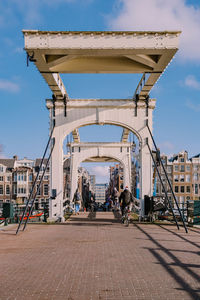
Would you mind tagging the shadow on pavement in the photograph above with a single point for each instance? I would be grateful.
(193, 293)
(179, 236)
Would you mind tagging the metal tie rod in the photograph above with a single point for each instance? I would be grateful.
(167, 179)
(163, 185)
(38, 188)
(34, 183)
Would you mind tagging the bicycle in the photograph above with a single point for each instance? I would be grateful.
(126, 216)
(92, 207)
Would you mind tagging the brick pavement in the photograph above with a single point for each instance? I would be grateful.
(96, 257)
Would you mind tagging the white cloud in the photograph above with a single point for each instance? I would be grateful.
(100, 170)
(30, 11)
(192, 82)
(9, 86)
(192, 106)
(161, 15)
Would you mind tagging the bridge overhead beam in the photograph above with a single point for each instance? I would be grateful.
(55, 52)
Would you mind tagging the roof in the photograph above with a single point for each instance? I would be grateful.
(8, 162)
(195, 156)
(38, 162)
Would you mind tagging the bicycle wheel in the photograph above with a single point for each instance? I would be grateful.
(126, 221)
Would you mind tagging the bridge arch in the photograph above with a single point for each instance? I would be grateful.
(109, 122)
(82, 112)
(83, 151)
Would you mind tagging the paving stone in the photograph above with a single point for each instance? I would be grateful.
(95, 257)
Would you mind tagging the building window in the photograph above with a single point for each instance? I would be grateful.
(38, 191)
(188, 168)
(187, 178)
(181, 178)
(176, 168)
(7, 190)
(195, 167)
(21, 190)
(195, 176)
(15, 177)
(8, 178)
(72, 149)
(187, 189)
(182, 159)
(176, 178)
(182, 168)
(182, 189)
(196, 189)
(169, 169)
(15, 189)
(79, 149)
(176, 189)
(1, 178)
(30, 177)
(46, 177)
(1, 189)
(188, 198)
(46, 189)
(182, 200)
(1, 168)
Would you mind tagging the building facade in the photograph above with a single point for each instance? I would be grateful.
(100, 192)
(6, 173)
(184, 176)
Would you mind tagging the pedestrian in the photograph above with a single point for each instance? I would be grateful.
(77, 201)
(115, 198)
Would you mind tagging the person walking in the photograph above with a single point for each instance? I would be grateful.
(115, 198)
(77, 201)
(125, 199)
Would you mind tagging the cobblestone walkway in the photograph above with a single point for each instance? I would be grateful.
(93, 256)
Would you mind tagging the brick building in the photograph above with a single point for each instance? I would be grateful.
(6, 170)
(195, 160)
(184, 175)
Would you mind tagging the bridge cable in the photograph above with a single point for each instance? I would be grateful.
(169, 183)
(34, 183)
(161, 181)
(38, 188)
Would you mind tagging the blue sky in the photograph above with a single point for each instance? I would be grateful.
(24, 117)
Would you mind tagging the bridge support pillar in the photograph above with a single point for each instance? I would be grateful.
(56, 203)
